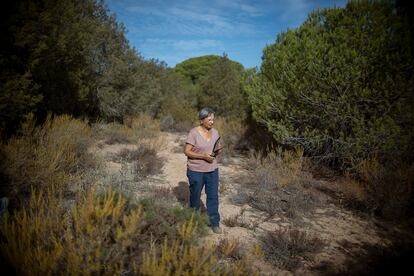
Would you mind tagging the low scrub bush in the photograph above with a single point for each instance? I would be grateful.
(230, 249)
(145, 161)
(100, 234)
(178, 258)
(232, 132)
(389, 188)
(163, 193)
(97, 235)
(134, 129)
(240, 221)
(286, 248)
(162, 219)
(234, 220)
(52, 154)
(180, 117)
(275, 182)
(109, 234)
(143, 126)
(346, 191)
(144, 157)
(286, 165)
(112, 133)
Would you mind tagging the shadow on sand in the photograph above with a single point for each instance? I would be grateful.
(182, 193)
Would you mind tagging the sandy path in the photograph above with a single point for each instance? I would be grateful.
(335, 225)
(174, 169)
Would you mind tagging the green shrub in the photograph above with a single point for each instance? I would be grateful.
(340, 85)
(97, 235)
(177, 116)
(100, 234)
(163, 218)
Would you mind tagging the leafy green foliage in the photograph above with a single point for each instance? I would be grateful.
(178, 102)
(73, 57)
(131, 86)
(195, 70)
(222, 90)
(212, 81)
(340, 85)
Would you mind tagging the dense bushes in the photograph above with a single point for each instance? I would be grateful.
(51, 155)
(72, 57)
(341, 85)
(216, 82)
(286, 247)
(222, 90)
(98, 235)
(92, 231)
(110, 234)
(55, 57)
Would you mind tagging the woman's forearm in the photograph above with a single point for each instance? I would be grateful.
(195, 155)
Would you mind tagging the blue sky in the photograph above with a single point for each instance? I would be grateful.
(174, 31)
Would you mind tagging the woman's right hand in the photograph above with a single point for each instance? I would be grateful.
(208, 157)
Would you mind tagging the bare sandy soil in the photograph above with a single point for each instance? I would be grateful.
(346, 235)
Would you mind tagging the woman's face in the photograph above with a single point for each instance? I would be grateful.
(208, 121)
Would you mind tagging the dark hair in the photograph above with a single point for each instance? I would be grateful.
(205, 112)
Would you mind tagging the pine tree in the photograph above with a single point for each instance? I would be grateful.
(340, 85)
(222, 90)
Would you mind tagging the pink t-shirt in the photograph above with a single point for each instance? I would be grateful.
(201, 145)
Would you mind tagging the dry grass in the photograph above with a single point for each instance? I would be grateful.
(238, 220)
(224, 186)
(389, 189)
(145, 160)
(232, 133)
(177, 117)
(112, 133)
(138, 129)
(285, 165)
(347, 192)
(230, 249)
(44, 238)
(352, 188)
(163, 193)
(286, 248)
(143, 127)
(276, 184)
(53, 154)
(178, 258)
(103, 234)
(234, 220)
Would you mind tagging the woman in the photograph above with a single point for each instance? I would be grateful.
(201, 149)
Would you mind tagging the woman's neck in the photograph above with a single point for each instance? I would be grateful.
(203, 128)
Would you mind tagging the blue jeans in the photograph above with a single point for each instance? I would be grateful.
(197, 180)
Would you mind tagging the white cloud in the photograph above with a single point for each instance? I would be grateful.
(190, 20)
(251, 10)
(182, 45)
(173, 30)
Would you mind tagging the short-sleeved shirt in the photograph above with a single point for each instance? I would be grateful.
(201, 145)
